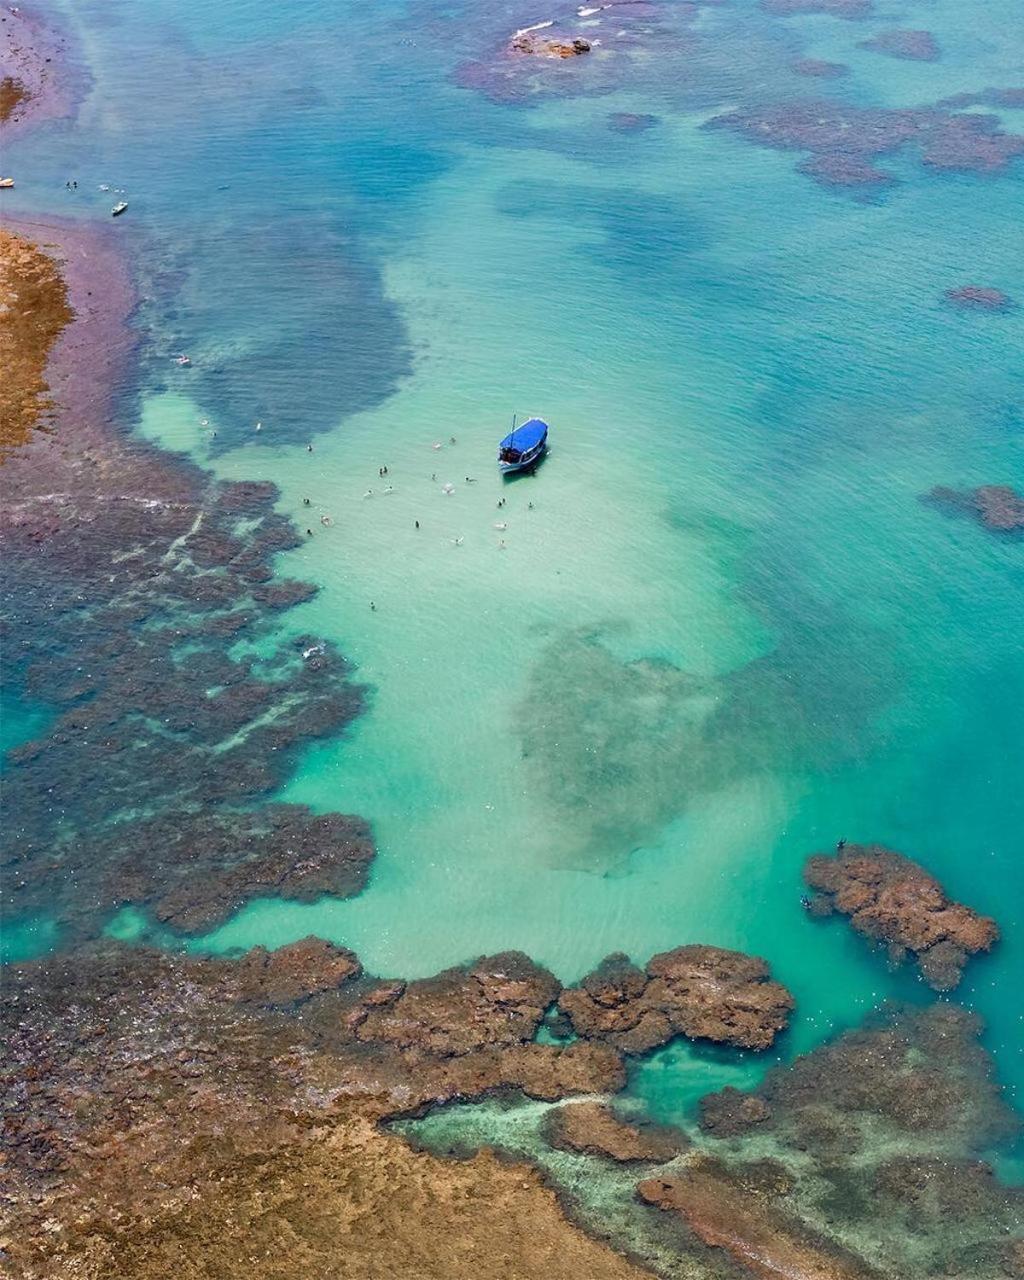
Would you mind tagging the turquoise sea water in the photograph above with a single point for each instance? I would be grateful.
(718, 629)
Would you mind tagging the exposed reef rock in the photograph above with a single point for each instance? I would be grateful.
(913, 46)
(536, 45)
(995, 506)
(595, 1129)
(979, 297)
(160, 1108)
(696, 991)
(34, 311)
(893, 900)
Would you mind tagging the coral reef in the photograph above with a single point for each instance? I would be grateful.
(893, 900)
(697, 991)
(819, 69)
(124, 571)
(170, 1112)
(979, 297)
(880, 1131)
(913, 46)
(844, 139)
(995, 506)
(723, 1211)
(595, 1129)
(630, 122)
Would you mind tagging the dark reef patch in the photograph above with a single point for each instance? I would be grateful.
(845, 140)
(820, 70)
(893, 900)
(979, 297)
(912, 46)
(125, 575)
(997, 507)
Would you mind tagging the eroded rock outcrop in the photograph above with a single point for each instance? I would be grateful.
(594, 1129)
(893, 900)
(697, 991)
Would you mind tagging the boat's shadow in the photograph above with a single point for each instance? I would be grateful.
(510, 477)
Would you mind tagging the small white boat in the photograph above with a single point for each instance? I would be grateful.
(119, 208)
(523, 446)
(6, 184)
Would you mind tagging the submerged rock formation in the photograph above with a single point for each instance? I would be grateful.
(891, 899)
(125, 572)
(994, 506)
(879, 1134)
(724, 1211)
(696, 991)
(594, 1129)
(913, 46)
(979, 297)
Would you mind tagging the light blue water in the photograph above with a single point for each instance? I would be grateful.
(727, 632)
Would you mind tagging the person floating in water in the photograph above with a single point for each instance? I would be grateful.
(310, 532)
(840, 845)
(805, 902)
(451, 439)
(305, 502)
(309, 448)
(417, 524)
(373, 607)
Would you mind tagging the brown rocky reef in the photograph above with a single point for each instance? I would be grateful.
(725, 1210)
(994, 506)
(979, 297)
(696, 991)
(893, 900)
(594, 1129)
(875, 1137)
(200, 1116)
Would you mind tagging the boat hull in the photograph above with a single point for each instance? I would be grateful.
(528, 460)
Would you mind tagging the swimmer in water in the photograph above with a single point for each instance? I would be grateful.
(368, 493)
(470, 480)
(457, 542)
(309, 448)
(501, 524)
(305, 502)
(433, 476)
(390, 489)
(417, 524)
(326, 521)
(451, 439)
(259, 426)
(373, 607)
(310, 532)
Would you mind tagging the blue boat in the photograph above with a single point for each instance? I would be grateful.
(523, 446)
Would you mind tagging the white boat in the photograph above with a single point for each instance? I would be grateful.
(119, 208)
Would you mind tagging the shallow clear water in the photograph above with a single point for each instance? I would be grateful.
(726, 631)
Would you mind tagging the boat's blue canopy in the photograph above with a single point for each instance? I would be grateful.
(525, 437)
